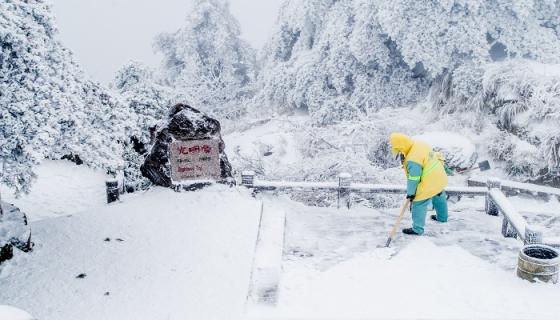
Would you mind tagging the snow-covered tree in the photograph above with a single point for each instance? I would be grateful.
(342, 59)
(333, 59)
(144, 97)
(30, 94)
(47, 107)
(444, 34)
(149, 103)
(206, 61)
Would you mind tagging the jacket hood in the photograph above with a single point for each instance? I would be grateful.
(400, 143)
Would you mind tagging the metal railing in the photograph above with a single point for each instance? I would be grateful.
(514, 224)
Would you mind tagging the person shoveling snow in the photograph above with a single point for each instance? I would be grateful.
(426, 180)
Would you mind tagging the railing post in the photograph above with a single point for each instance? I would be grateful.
(533, 236)
(248, 179)
(344, 181)
(120, 178)
(1, 210)
(507, 230)
(113, 192)
(491, 208)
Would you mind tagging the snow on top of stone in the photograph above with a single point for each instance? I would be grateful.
(196, 117)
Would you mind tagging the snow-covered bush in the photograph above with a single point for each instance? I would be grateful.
(522, 99)
(520, 157)
(295, 150)
(48, 107)
(147, 100)
(148, 103)
(207, 63)
(92, 130)
(459, 152)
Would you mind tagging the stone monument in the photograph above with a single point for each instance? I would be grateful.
(188, 151)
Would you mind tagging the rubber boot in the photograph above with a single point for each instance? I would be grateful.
(410, 231)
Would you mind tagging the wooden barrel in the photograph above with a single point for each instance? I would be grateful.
(538, 262)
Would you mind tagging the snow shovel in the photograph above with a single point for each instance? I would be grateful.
(397, 223)
(482, 166)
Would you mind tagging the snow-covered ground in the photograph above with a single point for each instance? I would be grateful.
(156, 255)
(463, 269)
(167, 255)
(268, 148)
(61, 189)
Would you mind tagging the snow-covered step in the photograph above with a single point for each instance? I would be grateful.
(267, 264)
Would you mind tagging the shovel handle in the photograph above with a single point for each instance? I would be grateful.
(397, 223)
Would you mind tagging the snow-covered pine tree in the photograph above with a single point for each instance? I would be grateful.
(48, 108)
(456, 39)
(31, 89)
(149, 102)
(333, 59)
(342, 59)
(206, 61)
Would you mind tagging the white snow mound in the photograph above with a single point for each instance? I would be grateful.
(62, 188)
(458, 150)
(435, 283)
(11, 313)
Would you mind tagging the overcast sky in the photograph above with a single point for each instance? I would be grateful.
(105, 34)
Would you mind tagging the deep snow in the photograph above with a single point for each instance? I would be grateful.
(182, 256)
(189, 256)
(463, 269)
(61, 189)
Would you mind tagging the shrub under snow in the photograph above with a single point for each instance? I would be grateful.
(522, 99)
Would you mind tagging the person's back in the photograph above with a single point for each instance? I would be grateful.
(426, 179)
(433, 179)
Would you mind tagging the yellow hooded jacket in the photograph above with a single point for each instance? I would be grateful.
(433, 179)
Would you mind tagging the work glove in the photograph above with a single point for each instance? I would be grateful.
(411, 197)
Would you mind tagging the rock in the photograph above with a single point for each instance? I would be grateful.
(14, 232)
(6, 252)
(185, 124)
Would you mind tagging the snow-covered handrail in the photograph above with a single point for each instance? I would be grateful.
(510, 213)
(514, 224)
(353, 187)
(517, 187)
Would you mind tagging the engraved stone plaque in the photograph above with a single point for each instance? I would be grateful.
(195, 160)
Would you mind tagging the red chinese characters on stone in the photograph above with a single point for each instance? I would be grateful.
(195, 149)
(192, 160)
(189, 169)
